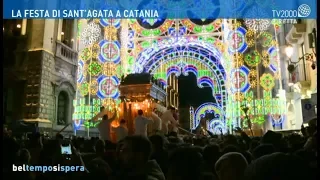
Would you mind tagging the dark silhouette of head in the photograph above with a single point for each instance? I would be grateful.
(157, 142)
(184, 164)
(122, 122)
(140, 112)
(105, 117)
(262, 150)
(102, 108)
(100, 147)
(277, 166)
(231, 166)
(135, 151)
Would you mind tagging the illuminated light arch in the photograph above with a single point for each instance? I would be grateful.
(214, 124)
(189, 57)
(174, 70)
(108, 87)
(205, 80)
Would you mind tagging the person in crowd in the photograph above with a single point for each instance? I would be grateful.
(158, 152)
(156, 121)
(105, 125)
(141, 124)
(135, 160)
(184, 164)
(35, 148)
(263, 150)
(211, 154)
(166, 118)
(121, 131)
(231, 166)
(278, 166)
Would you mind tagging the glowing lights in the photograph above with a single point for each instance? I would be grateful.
(253, 59)
(18, 26)
(239, 80)
(110, 51)
(90, 34)
(216, 123)
(289, 51)
(236, 39)
(267, 82)
(258, 24)
(108, 87)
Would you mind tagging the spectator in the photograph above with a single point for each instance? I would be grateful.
(134, 156)
(121, 131)
(231, 166)
(262, 150)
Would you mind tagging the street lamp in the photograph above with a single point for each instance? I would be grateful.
(307, 56)
(245, 108)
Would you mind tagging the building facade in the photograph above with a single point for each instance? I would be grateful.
(40, 72)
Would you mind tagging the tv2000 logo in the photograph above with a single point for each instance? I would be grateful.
(303, 11)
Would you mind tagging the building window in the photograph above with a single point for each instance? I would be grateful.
(62, 116)
(67, 32)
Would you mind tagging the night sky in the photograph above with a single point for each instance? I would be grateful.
(191, 94)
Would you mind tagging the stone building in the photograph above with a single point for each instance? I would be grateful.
(40, 65)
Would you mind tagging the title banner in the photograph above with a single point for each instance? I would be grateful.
(151, 9)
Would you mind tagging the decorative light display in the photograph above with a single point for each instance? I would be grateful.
(267, 82)
(110, 51)
(215, 124)
(191, 112)
(273, 59)
(110, 22)
(165, 46)
(91, 34)
(253, 59)
(108, 87)
(94, 68)
(239, 79)
(237, 40)
(258, 24)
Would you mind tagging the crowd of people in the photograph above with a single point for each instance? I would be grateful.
(160, 157)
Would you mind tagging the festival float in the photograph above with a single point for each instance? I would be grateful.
(140, 91)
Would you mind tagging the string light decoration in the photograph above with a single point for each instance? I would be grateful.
(266, 38)
(91, 34)
(237, 41)
(253, 59)
(267, 81)
(215, 124)
(250, 38)
(239, 79)
(94, 68)
(257, 24)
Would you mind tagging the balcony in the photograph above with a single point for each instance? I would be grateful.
(66, 54)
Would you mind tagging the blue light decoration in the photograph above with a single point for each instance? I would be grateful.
(109, 22)
(109, 52)
(273, 57)
(174, 69)
(80, 75)
(215, 124)
(186, 56)
(277, 120)
(237, 40)
(239, 80)
(77, 124)
(108, 87)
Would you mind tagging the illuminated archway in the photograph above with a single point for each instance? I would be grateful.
(216, 123)
(203, 60)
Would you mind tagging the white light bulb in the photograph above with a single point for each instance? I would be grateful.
(289, 51)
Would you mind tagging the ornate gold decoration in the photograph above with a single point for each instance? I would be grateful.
(250, 38)
(238, 96)
(238, 60)
(110, 33)
(265, 58)
(252, 77)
